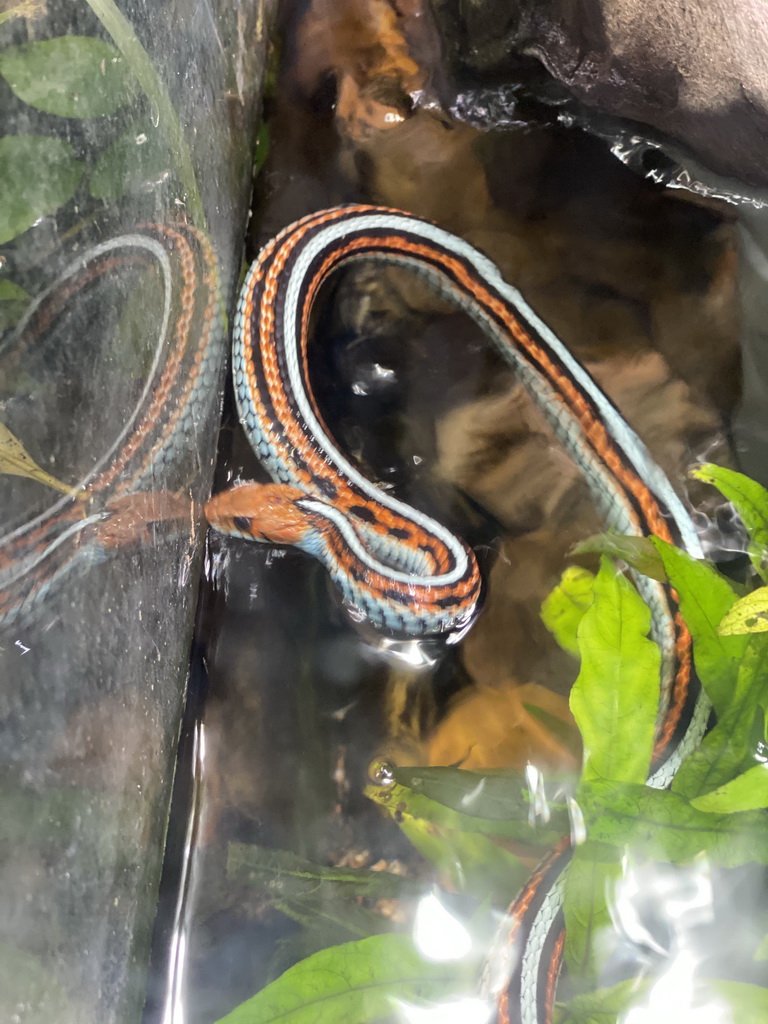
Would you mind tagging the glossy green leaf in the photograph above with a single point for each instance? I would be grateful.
(748, 615)
(72, 76)
(13, 302)
(356, 983)
(563, 609)
(589, 886)
(137, 160)
(723, 753)
(469, 861)
(663, 825)
(39, 174)
(747, 792)
(603, 1005)
(750, 499)
(616, 695)
(637, 552)
(705, 598)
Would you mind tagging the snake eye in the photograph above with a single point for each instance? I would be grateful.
(242, 524)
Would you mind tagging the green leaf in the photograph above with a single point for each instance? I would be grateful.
(497, 803)
(469, 861)
(750, 499)
(589, 886)
(637, 552)
(283, 875)
(356, 983)
(305, 942)
(748, 1003)
(663, 825)
(332, 918)
(39, 174)
(705, 598)
(722, 754)
(72, 76)
(564, 607)
(604, 1005)
(747, 792)
(13, 301)
(748, 615)
(137, 159)
(616, 695)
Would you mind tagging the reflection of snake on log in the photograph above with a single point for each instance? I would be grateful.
(123, 493)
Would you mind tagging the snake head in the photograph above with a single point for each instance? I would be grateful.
(262, 512)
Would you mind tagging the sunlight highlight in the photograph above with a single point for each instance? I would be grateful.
(461, 1011)
(437, 933)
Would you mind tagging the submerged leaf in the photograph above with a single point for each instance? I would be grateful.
(604, 1005)
(39, 174)
(637, 552)
(283, 875)
(748, 615)
(705, 598)
(332, 917)
(497, 804)
(750, 499)
(616, 696)
(469, 861)
(356, 983)
(747, 792)
(15, 461)
(589, 886)
(563, 609)
(72, 76)
(665, 826)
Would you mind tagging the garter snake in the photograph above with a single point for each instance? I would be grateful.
(403, 571)
(128, 485)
